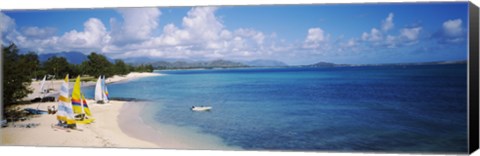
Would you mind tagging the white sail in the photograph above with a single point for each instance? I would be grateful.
(42, 90)
(65, 111)
(98, 90)
(42, 85)
(105, 90)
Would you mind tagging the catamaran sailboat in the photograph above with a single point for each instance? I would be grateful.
(101, 91)
(79, 104)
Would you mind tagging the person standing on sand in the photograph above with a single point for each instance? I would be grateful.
(54, 110)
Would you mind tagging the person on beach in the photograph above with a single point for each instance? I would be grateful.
(54, 110)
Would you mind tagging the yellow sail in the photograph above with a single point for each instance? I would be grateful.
(86, 110)
(85, 106)
(65, 112)
(76, 97)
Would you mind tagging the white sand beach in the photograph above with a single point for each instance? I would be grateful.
(104, 132)
(131, 76)
(117, 124)
(55, 84)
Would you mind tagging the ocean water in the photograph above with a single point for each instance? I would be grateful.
(368, 109)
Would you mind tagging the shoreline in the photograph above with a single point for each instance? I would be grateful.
(135, 125)
(104, 132)
(55, 84)
(117, 124)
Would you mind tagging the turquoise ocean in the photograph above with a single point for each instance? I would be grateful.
(417, 108)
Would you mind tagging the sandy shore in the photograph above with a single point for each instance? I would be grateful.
(104, 132)
(165, 136)
(55, 84)
(117, 124)
(131, 76)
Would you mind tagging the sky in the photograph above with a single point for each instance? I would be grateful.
(294, 34)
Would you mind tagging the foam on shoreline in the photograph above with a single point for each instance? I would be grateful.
(136, 120)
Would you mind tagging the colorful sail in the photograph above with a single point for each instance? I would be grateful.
(76, 97)
(99, 90)
(65, 112)
(86, 110)
(105, 90)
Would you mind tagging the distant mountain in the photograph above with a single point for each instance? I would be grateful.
(431, 63)
(327, 64)
(197, 64)
(139, 60)
(265, 63)
(72, 57)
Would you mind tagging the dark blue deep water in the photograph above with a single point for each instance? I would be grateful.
(378, 109)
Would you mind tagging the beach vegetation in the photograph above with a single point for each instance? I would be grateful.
(97, 65)
(57, 66)
(121, 67)
(144, 68)
(16, 74)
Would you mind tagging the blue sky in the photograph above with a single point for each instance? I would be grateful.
(294, 34)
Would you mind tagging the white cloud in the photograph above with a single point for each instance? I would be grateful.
(314, 38)
(256, 36)
(391, 41)
(201, 35)
(452, 32)
(225, 34)
(6, 23)
(406, 36)
(138, 25)
(7, 29)
(315, 35)
(374, 36)
(453, 28)
(203, 23)
(411, 34)
(351, 43)
(200, 28)
(91, 37)
(238, 43)
(387, 24)
(36, 32)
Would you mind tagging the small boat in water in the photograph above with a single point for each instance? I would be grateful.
(201, 108)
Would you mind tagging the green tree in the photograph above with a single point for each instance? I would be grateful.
(120, 67)
(144, 68)
(74, 69)
(57, 66)
(97, 65)
(140, 68)
(30, 63)
(15, 77)
(130, 68)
